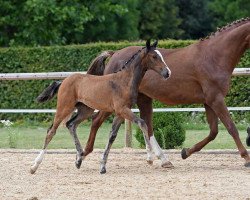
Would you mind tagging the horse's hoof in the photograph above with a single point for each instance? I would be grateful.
(103, 170)
(78, 163)
(167, 164)
(247, 164)
(32, 170)
(184, 153)
(248, 137)
(150, 162)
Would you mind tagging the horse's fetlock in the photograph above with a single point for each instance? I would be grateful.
(244, 154)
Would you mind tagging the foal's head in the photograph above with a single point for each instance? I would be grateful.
(154, 60)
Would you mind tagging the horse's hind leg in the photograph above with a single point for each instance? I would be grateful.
(222, 112)
(146, 111)
(61, 113)
(115, 127)
(212, 120)
(83, 112)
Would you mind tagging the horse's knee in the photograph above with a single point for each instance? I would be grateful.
(212, 135)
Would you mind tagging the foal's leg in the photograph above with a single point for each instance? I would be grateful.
(60, 115)
(212, 120)
(129, 115)
(97, 121)
(83, 112)
(146, 111)
(115, 127)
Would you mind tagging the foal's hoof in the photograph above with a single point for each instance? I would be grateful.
(167, 164)
(78, 163)
(103, 170)
(184, 153)
(247, 164)
(248, 137)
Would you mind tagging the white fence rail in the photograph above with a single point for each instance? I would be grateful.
(62, 75)
(134, 110)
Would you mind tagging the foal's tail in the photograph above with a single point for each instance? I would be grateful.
(98, 64)
(49, 92)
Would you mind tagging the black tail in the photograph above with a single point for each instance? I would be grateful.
(248, 136)
(98, 64)
(49, 92)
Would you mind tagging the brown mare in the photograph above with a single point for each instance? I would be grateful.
(201, 73)
(115, 92)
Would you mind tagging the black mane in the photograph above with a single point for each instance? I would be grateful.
(227, 27)
(130, 59)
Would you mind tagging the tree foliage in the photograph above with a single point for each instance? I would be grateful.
(54, 22)
(225, 11)
(196, 17)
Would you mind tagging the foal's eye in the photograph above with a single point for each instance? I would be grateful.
(154, 56)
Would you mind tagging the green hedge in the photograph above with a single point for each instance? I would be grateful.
(22, 94)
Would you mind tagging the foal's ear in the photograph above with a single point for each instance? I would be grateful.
(155, 44)
(148, 44)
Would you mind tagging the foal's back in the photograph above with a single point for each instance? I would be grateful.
(97, 92)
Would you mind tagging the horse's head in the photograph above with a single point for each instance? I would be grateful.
(154, 60)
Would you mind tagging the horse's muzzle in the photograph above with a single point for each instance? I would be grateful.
(165, 73)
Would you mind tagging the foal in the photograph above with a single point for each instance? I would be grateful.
(111, 93)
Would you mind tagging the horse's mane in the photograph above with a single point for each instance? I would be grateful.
(228, 27)
(130, 59)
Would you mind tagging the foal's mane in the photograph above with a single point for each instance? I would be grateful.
(130, 59)
(228, 27)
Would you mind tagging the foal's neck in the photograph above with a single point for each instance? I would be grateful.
(135, 71)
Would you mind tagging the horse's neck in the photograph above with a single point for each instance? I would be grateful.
(231, 46)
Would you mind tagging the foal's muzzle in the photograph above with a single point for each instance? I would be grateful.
(165, 73)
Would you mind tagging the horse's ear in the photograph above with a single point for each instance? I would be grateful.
(148, 44)
(155, 44)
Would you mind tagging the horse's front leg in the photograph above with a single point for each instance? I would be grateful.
(115, 127)
(97, 121)
(212, 120)
(146, 112)
(220, 108)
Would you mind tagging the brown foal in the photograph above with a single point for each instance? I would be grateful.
(115, 92)
(201, 73)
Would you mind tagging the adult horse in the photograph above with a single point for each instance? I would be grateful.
(201, 73)
(115, 92)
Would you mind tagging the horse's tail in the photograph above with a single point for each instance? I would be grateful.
(49, 92)
(96, 68)
(98, 64)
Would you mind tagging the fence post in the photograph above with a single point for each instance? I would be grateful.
(128, 133)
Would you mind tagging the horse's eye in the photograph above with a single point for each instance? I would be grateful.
(154, 56)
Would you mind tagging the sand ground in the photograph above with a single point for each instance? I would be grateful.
(202, 176)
